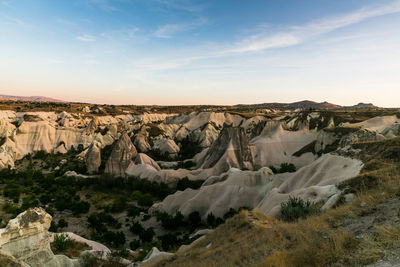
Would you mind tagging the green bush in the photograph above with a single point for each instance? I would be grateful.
(296, 208)
(186, 183)
(135, 244)
(287, 167)
(145, 200)
(170, 222)
(119, 205)
(62, 223)
(147, 235)
(61, 242)
(195, 219)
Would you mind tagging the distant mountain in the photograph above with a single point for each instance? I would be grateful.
(362, 106)
(30, 98)
(307, 104)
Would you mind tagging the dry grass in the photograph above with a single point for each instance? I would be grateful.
(73, 251)
(316, 241)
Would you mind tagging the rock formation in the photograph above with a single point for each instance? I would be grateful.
(121, 156)
(230, 150)
(262, 190)
(26, 241)
(142, 158)
(93, 158)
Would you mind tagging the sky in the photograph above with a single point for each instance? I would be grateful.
(184, 52)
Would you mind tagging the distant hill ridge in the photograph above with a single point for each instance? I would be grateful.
(30, 98)
(307, 104)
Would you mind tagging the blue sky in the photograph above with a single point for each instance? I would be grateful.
(201, 52)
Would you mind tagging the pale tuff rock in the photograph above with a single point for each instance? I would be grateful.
(121, 156)
(141, 140)
(154, 254)
(142, 158)
(96, 249)
(392, 131)
(26, 240)
(230, 150)
(93, 158)
(377, 124)
(276, 145)
(263, 190)
(93, 125)
(165, 146)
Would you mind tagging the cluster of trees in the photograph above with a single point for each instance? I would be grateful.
(285, 167)
(99, 223)
(40, 190)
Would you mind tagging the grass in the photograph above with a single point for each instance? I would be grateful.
(62, 244)
(319, 240)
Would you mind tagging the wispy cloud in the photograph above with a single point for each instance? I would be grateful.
(103, 4)
(8, 20)
(85, 38)
(6, 3)
(185, 5)
(125, 34)
(298, 34)
(166, 31)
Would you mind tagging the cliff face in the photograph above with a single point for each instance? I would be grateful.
(26, 241)
(230, 149)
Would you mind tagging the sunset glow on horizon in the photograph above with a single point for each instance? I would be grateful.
(183, 52)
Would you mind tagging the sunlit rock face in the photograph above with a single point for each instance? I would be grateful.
(26, 241)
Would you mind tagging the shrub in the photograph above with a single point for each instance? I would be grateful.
(61, 242)
(145, 200)
(296, 208)
(169, 241)
(62, 223)
(115, 239)
(186, 183)
(134, 211)
(230, 213)
(189, 148)
(170, 222)
(136, 228)
(287, 167)
(195, 219)
(123, 253)
(147, 235)
(119, 205)
(135, 244)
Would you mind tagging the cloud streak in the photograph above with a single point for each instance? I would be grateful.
(168, 30)
(185, 5)
(85, 38)
(298, 34)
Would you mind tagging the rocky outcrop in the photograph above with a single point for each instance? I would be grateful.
(263, 190)
(121, 156)
(230, 150)
(26, 241)
(142, 158)
(155, 255)
(93, 158)
(165, 146)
